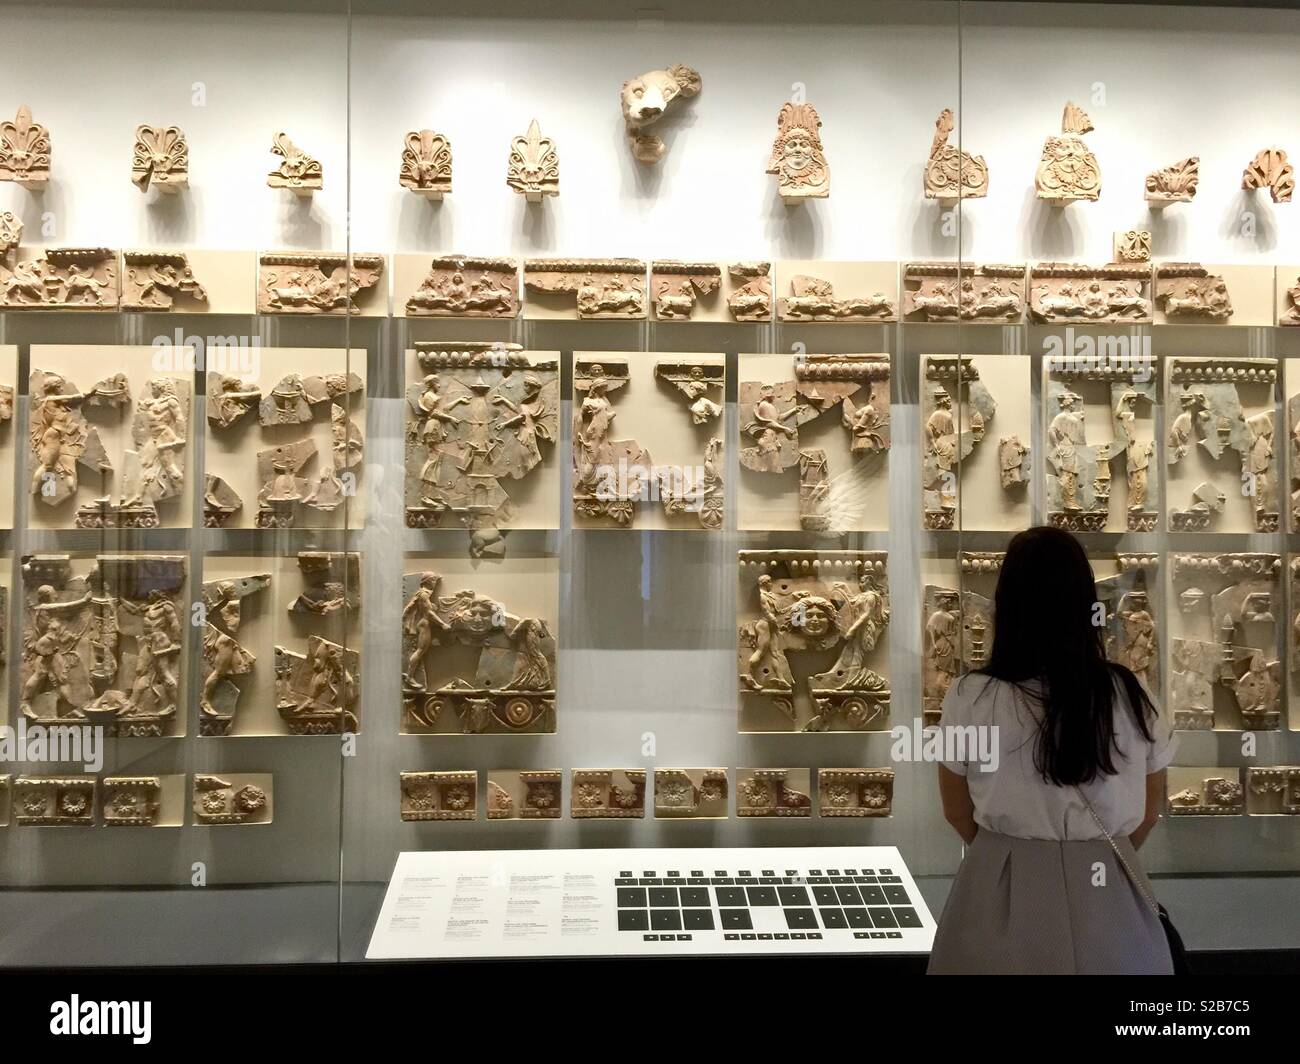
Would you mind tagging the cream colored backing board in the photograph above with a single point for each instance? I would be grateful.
(1286, 309)
(85, 365)
(1225, 473)
(173, 801)
(983, 504)
(1286, 443)
(656, 415)
(229, 280)
(265, 623)
(1291, 634)
(10, 445)
(536, 495)
(264, 780)
(231, 453)
(525, 586)
(1249, 287)
(769, 502)
(849, 280)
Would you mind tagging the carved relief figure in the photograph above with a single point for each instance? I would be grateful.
(480, 415)
(1212, 414)
(1175, 183)
(76, 619)
(298, 171)
(160, 157)
(512, 688)
(940, 291)
(1131, 635)
(1188, 291)
(426, 164)
(61, 439)
(814, 299)
(315, 283)
(1270, 169)
(1065, 292)
(797, 159)
(154, 280)
(950, 173)
(534, 165)
(677, 286)
(815, 601)
(1068, 170)
(646, 98)
(771, 414)
(61, 279)
(1290, 312)
(752, 299)
(224, 656)
(25, 151)
(602, 288)
(465, 287)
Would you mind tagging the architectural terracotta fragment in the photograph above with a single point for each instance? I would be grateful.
(1132, 245)
(220, 500)
(298, 172)
(1175, 183)
(156, 280)
(426, 164)
(1064, 292)
(607, 793)
(230, 398)
(855, 792)
(1068, 170)
(315, 282)
(60, 279)
(232, 799)
(532, 794)
(1273, 791)
(691, 793)
(773, 792)
(1187, 291)
(951, 173)
(646, 98)
(439, 795)
(534, 165)
(132, 801)
(43, 801)
(1289, 311)
(602, 288)
(1131, 598)
(676, 286)
(798, 161)
(752, 298)
(25, 151)
(948, 291)
(1205, 792)
(814, 299)
(1270, 169)
(161, 158)
(956, 629)
(224, 657)
(463, 286)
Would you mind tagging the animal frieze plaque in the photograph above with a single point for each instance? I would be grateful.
(479, 416)
(1068, 170)
(646, 98)
(798, 160)
(948, 291)
(951, 173)
(808, 610)
(298, 172)
(1175, 183)
(691, 793)
(103, 642)
(1188, 292)
(771, 415)
(773, 792)
(58, 279)
(677, 286)
(1270, 169)
(160, 158)
(1217, 406)
(316, 282)
(471, 665)
(607, 794)
(600, 288)
(533, 169)
(532, 794)
(814, 299)
(439, 795)
(161, 281)
(751, 298)
(1118, 293)
(464, 286)
(426, 164)
(25, 151)
(1079, 470)
(856, 792)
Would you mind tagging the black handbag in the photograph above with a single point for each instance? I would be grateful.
(1176, 948)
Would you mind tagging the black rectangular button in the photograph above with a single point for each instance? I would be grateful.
(893, 934)
(633, 920)
(736, 919)
(897, 895)
(798, 935)
(906, 916)
(697, 919)
(826, 896)
(730, 895)
(631, 898)
(800, 919)
(847, 895)
(731, 938)
(761, 895)
(665, 919)
(748, 938)
(873, 895)
(833, 918)
(693, 896)
(663, 897)
(765, 936)
(793, 895)
(857, 917)
(883, 917)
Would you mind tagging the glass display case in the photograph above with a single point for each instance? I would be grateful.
(518, 432)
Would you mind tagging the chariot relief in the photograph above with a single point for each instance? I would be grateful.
(951, 173)
(691, 793)
(599, 288)
(1270, 169)
(297, 171)
(815, 607)
(478, 416)
(1225, 672)
(855, 792)
(439, 795)
(463, 286)
(318, 283)
(470, 665)
(773, 792)
(771, 415)
(1118, 293)
(533, 169)
(1079, 472)
(1067, 170)
(645, 100)
(102, 641)
(1208, 417)
(25, 151)
(947, 291)
(426, 164)
(607, 793)
(531, 794)
(1175, 183)
(798, 161)
(161, 158)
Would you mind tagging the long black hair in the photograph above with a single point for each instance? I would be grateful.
(1046, 628)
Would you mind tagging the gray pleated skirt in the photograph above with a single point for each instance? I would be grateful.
(1036, 907)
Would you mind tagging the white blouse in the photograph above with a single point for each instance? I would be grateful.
(1015, 800)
